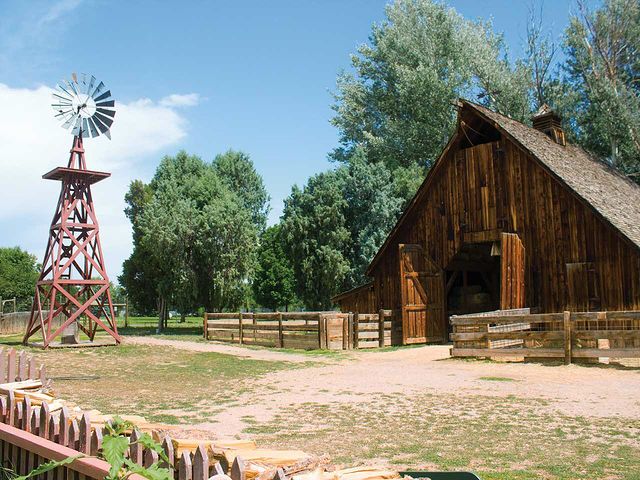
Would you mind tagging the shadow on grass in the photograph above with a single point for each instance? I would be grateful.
(146, 330)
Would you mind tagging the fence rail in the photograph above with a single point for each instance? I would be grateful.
(566, 335)
(301, 330)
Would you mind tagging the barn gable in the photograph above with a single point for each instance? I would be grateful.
(612, 195)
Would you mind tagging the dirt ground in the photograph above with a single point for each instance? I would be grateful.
(358, 376)
(402, 408)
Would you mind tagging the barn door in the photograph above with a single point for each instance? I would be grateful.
(582, 287)
(422, 297)
(511, 272)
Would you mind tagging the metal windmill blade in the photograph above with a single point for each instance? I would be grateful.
(84, 106)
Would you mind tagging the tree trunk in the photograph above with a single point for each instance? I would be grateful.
(183, 317)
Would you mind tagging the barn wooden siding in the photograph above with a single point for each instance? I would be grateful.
(361, 299)
(575, 260)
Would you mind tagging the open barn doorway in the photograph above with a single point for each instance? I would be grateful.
(473, 279)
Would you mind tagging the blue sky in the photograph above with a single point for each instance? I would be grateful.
(199, 76)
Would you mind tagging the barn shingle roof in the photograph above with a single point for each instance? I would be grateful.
(612, 195)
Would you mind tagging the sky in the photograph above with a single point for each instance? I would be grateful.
(203, 76)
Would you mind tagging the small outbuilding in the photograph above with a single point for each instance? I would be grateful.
(509, 216)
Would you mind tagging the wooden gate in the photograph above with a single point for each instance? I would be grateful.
(511, 272)
(422, 296)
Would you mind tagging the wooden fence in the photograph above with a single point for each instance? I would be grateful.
(372, 330)
(567, 335)
(300, 330)
(31, 435)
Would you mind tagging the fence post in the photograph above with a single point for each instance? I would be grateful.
(280, 332)
(350, 333)
(204, 327)
(322, 337)
(240, 327)
(345, 332)
(381, 328)
(356, 328)
(567, 337)
(126, 312)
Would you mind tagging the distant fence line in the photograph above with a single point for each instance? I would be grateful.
(300, 330)
(564, 335)
(16, 322)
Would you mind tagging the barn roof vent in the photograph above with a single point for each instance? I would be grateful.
(548, 122)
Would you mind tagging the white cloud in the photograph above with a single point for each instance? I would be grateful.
(180, 100)
(32, 143)
(57, 10)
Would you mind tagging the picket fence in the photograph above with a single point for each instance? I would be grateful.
(31, 435)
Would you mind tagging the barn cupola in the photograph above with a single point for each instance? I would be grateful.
(549, 123)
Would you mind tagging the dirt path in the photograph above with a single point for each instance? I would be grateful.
(364, 377)
(244, 352)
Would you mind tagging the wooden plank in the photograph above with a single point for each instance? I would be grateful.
(356, 330)
(11, 366)
(567, 337)
(240, 328)
(205, 321)
(223, 316)
(501, 320)
(200, 464)
(260, 326)
(518, 335)
(345, 333)
(368, 336)
(3, 366)
(381, 326)
(606, 352)
(508, 352)
(606, 334)
(185, 468)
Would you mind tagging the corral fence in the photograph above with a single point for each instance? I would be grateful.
(564, 335)
(300, 330)
(33, 434)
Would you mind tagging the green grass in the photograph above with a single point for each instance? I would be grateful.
(163, 384)
(498, 379)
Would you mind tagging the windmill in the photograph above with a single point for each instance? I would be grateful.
(72, 291)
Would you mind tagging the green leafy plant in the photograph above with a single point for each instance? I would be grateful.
(115, 445)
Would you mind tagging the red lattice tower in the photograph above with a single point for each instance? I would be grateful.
(73, 284)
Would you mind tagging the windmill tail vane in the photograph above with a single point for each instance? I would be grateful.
(72, 292)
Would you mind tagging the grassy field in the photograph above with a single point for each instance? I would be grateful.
(500, 437)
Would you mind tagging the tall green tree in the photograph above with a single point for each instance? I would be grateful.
(19, 272)
(398, 106)
(274, 282)
(237, 171)
(371, 208)
(317, 239)
(603, 75)
(138, 275)
(195, 238)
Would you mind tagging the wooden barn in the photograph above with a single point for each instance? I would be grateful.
(509, 216)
